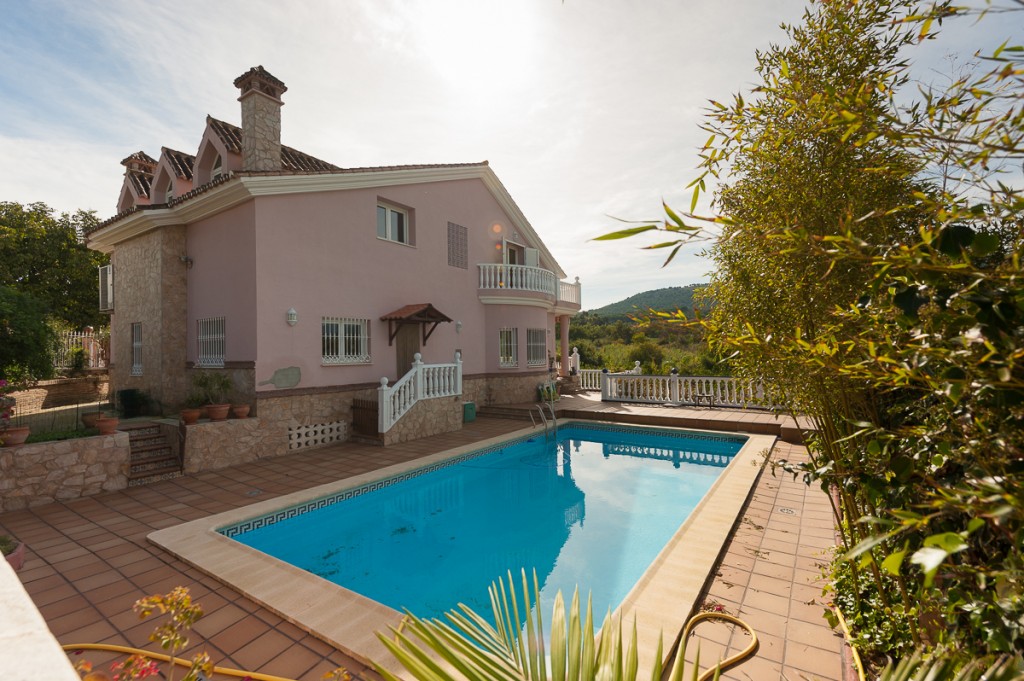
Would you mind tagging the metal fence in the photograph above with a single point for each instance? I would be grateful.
(82, 349)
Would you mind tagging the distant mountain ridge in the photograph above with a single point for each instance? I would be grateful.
(663, 299)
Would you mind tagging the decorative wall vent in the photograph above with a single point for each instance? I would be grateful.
(316, 434)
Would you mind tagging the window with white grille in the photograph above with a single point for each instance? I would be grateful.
(136, 348)
(345, 340)
(508, 347)
(536, 347)
(458, 246)
(106, 288)
(210, 342)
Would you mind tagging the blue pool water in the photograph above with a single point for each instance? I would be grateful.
(593, 508)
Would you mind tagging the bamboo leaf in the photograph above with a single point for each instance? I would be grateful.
(625, 233)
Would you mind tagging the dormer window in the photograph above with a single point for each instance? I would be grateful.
(218, 168)
(169, 194)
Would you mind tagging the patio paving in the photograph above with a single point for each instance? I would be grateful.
(89, 560)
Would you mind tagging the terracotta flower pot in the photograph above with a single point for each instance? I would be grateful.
(14, 435)
(190, 416)
(107, 425)
(89, 418)
(240, 411)
(17, 557)
(218, 412)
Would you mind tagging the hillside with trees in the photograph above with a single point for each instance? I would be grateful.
(663, 299)
(617, 336)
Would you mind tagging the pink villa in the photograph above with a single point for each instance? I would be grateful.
(315, 287)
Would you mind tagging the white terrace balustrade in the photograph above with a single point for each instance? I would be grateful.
(500, 277)
(718, 391)
(423, 382)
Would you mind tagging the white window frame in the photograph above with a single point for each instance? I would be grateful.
(388, 230)
(536, 347)
(136, 349)
(508, 347)
(345, 340)
(211, 342)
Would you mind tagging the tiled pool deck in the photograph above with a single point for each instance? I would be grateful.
(89, 560)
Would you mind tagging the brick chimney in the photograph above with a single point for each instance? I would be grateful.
(261, 119)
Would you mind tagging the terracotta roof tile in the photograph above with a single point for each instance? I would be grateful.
(291, 159)
(262, 74)
(139, 157)
(181, 163)
(140, 181)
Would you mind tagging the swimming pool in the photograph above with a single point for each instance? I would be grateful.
(660, 600)
(593, 507)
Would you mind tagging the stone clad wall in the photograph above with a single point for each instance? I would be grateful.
(426, 418)
(216, 444)
(44, 472)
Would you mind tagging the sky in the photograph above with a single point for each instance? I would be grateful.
(588, 111)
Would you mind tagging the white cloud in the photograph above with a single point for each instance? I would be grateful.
(585, 109)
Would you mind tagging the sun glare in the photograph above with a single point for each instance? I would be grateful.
(477, 44)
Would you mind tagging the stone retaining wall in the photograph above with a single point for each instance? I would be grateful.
(426, 418)
(64, 392)
(44, 472)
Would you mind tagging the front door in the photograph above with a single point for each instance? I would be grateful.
(407, 344)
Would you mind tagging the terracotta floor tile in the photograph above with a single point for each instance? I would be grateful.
(261, 650)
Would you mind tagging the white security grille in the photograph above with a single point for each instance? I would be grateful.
(345, 340)
(106, 288)
(316, 435)
(458, 246)
(536, 347)
(137, 349)
(210, 342)
(508, 347)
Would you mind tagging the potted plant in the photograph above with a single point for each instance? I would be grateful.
(13, 550)
(193, 408)
(107, 424)
(214, 387)
(10, 435)
(89, 418)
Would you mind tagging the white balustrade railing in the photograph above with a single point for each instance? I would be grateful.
(715, 391)
(517, 278)
(569, 292)
(94, 348)
(423, 382)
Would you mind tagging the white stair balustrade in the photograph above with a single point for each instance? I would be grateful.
(422, 382)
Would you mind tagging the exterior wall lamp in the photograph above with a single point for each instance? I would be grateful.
(458, 327)
(292, 317)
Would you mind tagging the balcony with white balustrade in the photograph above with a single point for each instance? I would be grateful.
(502, 284)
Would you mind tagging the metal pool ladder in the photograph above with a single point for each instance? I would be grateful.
(544, 419)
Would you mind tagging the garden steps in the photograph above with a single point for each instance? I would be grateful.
(152, 457)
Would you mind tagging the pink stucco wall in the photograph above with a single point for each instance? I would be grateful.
(222, 279)
(319, 253)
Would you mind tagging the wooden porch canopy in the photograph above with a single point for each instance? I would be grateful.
(423, 314)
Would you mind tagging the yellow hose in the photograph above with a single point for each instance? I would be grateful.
(255, 676)
(729, 661)
(849, 641)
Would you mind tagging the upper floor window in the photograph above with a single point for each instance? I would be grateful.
(345, 340)
(218, 168)
(210, 342)
(106, 288)
(393, 224)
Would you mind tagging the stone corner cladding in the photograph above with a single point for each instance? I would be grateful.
(213, 445)
(45, 472)
(426, 418)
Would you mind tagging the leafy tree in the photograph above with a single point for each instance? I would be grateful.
(26, 339)
(45, 256)
(870, 271)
